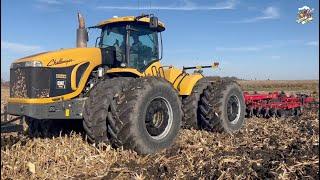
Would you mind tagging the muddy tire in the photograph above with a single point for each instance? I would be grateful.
(190, 104)
(222, 107)
(146, 117)
(40, 128)
(97, 106)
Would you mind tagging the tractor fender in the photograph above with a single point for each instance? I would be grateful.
(130, 72)
(186, 82)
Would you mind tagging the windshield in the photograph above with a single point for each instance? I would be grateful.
(143, 44)
(114, 36)
(143, 47)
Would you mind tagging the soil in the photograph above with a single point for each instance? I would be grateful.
(263, 148)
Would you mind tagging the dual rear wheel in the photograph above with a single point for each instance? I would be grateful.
(216, 104)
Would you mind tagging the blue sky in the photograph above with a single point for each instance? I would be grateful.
(251, 39)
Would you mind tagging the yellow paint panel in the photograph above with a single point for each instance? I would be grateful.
(153, 69)
(66, 57)
(172, 73)
(187, 84)
(78, 56)
(183, 82)
(121, 70)
(74, 76)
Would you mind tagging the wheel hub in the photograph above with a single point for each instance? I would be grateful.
(233, 109)
(158, 118)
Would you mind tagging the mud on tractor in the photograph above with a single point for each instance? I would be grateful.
(120, 89)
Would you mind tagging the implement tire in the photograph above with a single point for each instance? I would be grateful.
(97, 106)
(222, 107)
(147, 117)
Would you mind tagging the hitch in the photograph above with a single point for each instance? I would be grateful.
(214, 65)
(8, 125)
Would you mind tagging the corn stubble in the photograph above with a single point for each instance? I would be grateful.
(263, 148)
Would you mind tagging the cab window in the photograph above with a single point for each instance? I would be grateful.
(114, 36)
(143, 47)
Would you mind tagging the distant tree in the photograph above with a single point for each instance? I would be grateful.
(4, 83)
(233, 78)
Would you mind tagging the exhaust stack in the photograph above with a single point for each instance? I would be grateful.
(82, 34)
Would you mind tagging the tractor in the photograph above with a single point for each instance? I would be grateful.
(120, 90)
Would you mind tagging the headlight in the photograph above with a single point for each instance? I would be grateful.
(33, 64)
(26, 64)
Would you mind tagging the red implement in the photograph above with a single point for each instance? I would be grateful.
(275, 104)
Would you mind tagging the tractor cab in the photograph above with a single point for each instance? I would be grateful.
(131, 42)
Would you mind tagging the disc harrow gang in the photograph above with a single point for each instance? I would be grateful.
(277, 104)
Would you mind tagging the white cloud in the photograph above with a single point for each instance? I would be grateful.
(54, 5)
(275, 57)
(239, 49)
(312, 43)
(245, 48)
(19, 48)
(264, 46)
(50, 2)
(268, 13)
(186, 6)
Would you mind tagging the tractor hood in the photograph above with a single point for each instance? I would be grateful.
(62, 58)
(50, 76)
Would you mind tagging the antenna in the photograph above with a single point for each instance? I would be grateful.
(150, 7)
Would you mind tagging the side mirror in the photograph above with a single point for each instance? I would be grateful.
(153, 22)
(87, 36)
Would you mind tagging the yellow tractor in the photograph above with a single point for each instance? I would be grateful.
(120, 89)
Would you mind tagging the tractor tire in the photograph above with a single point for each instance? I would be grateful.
(191, 102)
(97, 106)
(146, 117)
(222, 107)
(40, 128)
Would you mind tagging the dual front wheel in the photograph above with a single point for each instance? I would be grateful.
(142, 114)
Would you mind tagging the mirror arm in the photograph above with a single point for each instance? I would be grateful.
(161, 46)
(95, 45)
(128, 45)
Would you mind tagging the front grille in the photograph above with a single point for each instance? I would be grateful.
(30, 82)
(40, 82)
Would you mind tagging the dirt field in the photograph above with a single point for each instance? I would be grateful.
(264, 148)
(309, 86)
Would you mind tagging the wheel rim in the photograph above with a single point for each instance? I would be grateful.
(159, 118)
(233, 109)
